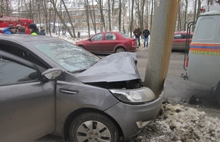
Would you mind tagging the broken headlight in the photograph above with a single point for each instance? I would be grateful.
(134, 96)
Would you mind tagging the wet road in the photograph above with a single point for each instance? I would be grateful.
(179, 90)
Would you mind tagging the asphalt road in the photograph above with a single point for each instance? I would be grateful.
(178, 90)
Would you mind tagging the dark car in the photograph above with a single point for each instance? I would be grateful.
(179, 40)
(109, 42)
(48, 85)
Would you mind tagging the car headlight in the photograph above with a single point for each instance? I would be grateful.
(134, 96)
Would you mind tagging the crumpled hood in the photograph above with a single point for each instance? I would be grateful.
(113, 68)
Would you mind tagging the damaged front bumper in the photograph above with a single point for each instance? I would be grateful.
(133, 118)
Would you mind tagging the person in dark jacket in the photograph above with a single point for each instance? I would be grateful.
(137, 34)
(146, 33)
(33, 29)
(42, 31)
(11, 29)
(20, 30)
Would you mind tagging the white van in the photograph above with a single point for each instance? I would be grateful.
(203, 62)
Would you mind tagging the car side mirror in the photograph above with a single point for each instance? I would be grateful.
(52, 74)
(89, 39)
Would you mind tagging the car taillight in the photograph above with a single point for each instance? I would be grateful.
(133, 42)
(187, 61)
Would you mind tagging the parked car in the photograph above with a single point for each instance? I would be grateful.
(179, 40)
(48, 85)
(109, 42)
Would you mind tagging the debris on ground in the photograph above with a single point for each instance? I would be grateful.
(180, 123)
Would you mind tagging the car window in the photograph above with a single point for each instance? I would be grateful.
(67, 55)
(12, 73)
(22, 53)
(203, 33)
(110, 36)
(177, 36)
(97, 37)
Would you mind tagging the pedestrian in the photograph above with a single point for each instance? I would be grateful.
(11, 29)
(42, 31)
(78, 34)
(33, 29)
(20, 30)
(18, 25)
(137, 34)
(146, 34)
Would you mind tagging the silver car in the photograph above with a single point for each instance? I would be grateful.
(48, 85)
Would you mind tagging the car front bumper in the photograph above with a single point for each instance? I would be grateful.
(133, 118)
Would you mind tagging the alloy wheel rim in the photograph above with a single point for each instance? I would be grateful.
(93, 131)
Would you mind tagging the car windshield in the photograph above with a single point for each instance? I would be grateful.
(124, 35)
(68, 55)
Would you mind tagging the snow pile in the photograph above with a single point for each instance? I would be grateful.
(181, 124)
(70, 39)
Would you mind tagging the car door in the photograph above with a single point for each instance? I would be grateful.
(177, 41)
(95, 43)
(27, 105)
(109, 43)
(183, 41)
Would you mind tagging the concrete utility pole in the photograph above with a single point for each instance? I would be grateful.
(162, 32)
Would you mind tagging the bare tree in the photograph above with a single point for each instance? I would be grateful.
(132, 18)
(185, 14)
(195, 6)
(69, 19)
(119, 16)
(86, 4)
(100, 6)
(1, 7)
(142, 14)
(124, 15)
(93, 16)
(151, 15)
(179, 18)
(198, 9)
(109, 15)
(60, 17)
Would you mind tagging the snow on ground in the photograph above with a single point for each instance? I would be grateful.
(180, 123)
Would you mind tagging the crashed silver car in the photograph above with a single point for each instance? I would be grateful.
(48, 85)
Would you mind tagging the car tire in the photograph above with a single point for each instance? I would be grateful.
(120, 49)
(92, 127)
(81, 46)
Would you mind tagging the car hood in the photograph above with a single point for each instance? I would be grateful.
(82, 41)
(113, 68)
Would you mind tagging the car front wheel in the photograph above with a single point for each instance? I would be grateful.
(93, 127)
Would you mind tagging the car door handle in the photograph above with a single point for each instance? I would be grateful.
(65, 91)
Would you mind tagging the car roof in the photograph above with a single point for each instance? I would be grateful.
(182, 32)
(108, 32)
(214, 12)
(23, 38)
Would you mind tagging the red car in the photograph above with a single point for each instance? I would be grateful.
(179, 40)
(109, 42)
